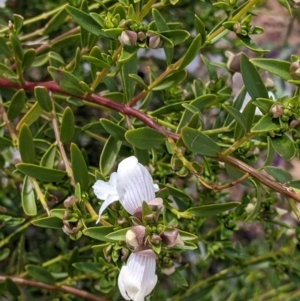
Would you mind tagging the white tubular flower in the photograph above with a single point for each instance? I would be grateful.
(137, 278)
(131, 185)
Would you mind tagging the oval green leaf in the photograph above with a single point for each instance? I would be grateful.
(79, 167)
(43, 98)
(26, 145)
(192, 51)
(67, 128)
(144, 138)
(252, 79)
(28, 197)
(51, 222)
(99, 233)
(199, 143)
(211, 210)
(284, 147)
(41, 173)
(16, 104)
(277, 67)
(109, 155)
(279, 174)
(40, 274)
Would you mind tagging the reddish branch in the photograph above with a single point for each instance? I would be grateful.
(105, 102)
(63, 288)
(127, 110)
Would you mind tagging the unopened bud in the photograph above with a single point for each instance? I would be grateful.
(233, 63)
(69, 201)
(172, 238)
(131, 239)
(155, 239)
(294, 123)
(141, 36)
(135, 236)
(128, 38)
(168, 270)
(154, 42)
(276, 110)
(295, 70)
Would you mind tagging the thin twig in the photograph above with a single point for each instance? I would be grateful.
(63, 288)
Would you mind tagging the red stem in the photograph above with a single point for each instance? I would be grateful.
(105, 102)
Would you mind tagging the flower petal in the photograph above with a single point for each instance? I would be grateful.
(137, 278)
(106, 191)
(134, 184)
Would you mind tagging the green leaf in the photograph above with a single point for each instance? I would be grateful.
(285, 4)
(67, 41)
(177, 36)
(192, 51)
(85, 21)
(49, 157)
(211, 210)
(279, 174)
(40, 274)
(67, 128)
(66, 81)
(4, 49)
(55, 22)
(12, 288)
(99, 233)
(58, 212)
(177, 192)
(200, 28)
(118, 235)
(26, 146)
(138, 79)
(113, 129)
(127, 54)
(109, 155)
(16, 46)
(199, 143)
(128, 85)
(16, 104)
(212, 73)
(237, 115)
(40, 60)
(171, 80)
(4, 142)
(263, 104)
(186, 236)
(277, 67)
(4, 253)
(41, 173)
(7, 73)
(50, 222)
(247, 42)
(161, 26)
(55, 59)
(29, 57)
(144, 138)
(252, 79)
(96, 61)
(265, 124)
(28, 197)
(18, 22)
(284, 147)
(79, 168)
(42, 96)
(88, 267)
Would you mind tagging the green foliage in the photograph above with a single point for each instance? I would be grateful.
(86, 84)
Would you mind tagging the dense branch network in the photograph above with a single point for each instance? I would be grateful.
(129, 111)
